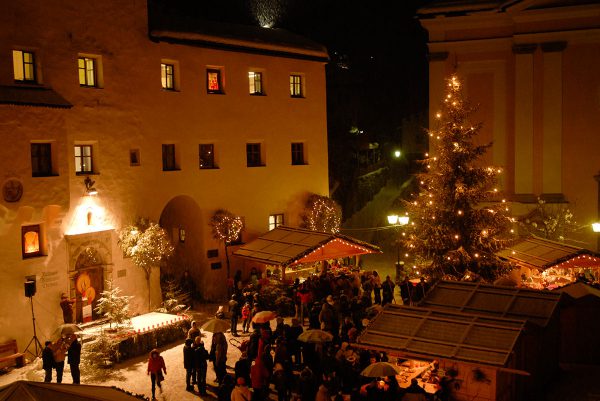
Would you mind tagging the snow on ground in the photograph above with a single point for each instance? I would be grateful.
(131, 375)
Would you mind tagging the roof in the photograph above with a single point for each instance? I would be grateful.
(580, 290)
(290, 245)
(540, 253)
(534, 306)
(430, 333)
(169, 27)
(23, 390)
(465, 7)
(32, 96)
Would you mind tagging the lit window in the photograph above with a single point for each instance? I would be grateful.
(83, 159)
(298, 154)
(275, 220)
(167, 76)
(23, 66)
(87, 72)
(255, 82)
(296, 86)
(253, 156)
(213, 81)
(207, 156)
(168, 156)
(41, 159)
(30, 241)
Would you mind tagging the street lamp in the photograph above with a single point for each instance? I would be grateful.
(397, 222)
(596, 227)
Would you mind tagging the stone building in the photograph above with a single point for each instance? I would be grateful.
(168, 121)
(532, 68)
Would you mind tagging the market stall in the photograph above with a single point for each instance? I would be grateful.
(479, 354)
(295, 250)
(545, 264)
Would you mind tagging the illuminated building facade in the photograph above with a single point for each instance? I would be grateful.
(167, 124)
(532, 69)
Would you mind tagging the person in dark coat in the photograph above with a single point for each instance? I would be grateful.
(200, 364)
(225, 388)
(47, 361)
(234, 310)
(218, 354)
(242, 368)
(74, 358)
(293, 343)
(307, 385)
(387, 289)
(406, 291)
(66, 305)
(188, 362)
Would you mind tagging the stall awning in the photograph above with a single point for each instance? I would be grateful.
(286, 246)
(483, 299)
(428, 333)
(541, 254)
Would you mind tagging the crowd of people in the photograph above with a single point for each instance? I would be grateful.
(275, 360)
(54, 355)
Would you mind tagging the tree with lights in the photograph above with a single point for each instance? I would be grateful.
(322, 214)
(226, 227)
(455, 228)
(113, 305)
(147, 244)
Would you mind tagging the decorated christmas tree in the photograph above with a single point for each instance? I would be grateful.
(321, 214)
(226, 227)
(457, 220)
(113, 305)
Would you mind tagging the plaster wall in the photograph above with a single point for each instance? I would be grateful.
(541, 102)
(131, 111)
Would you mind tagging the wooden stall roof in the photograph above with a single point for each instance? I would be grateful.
(540, 253)
(580, 290)
(429, 333)
(484, 299)
(287, 246)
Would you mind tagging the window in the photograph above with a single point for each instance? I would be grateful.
(296, 86)
(24, 66)
(213, 81)
(298, 154)
(255, 82)
(30, 241)
(168, 156)
(41, 159)
(207, 156)
(134, 157)
(88, 72)
(84, 159)
(275, 220)
(167, 76)
(253, 156)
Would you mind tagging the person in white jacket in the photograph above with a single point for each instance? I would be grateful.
(241, 392)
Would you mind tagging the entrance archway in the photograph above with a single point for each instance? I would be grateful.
(88, 283)
(182, 219)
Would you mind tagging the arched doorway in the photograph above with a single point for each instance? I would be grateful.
(88, 283)
(182, 219)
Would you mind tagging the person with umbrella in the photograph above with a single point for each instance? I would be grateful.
(74, 358)
(156, 367)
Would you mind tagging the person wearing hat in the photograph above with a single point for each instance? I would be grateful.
(67, 307)
(200, 364)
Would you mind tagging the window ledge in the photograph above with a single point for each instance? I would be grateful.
(45, 175)
(90, 86)
(299, 164)
(297, 96)
(258, 165)
(86, 173)
(209, 168)
(170, 90)
(258, 94)
(215, 93)
(172, 169)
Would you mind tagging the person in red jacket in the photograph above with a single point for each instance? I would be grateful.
(156, 367)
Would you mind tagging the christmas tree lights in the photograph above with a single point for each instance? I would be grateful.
(456, 225)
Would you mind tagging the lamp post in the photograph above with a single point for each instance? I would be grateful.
(397, 222)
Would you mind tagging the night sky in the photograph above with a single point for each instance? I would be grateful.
(378, 69)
